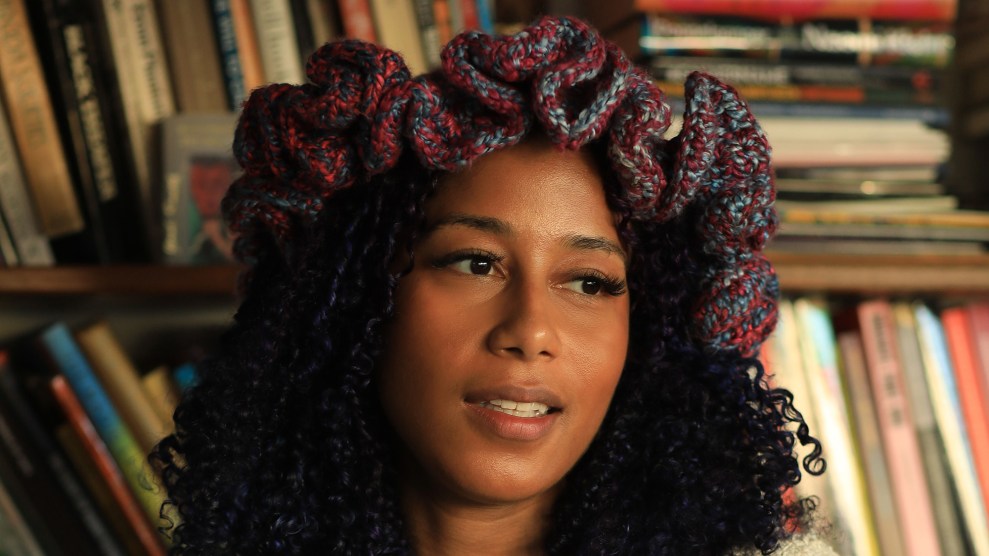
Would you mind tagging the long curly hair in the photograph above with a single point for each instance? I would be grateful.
(282, 446)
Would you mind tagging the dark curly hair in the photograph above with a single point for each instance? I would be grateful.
(282, 447)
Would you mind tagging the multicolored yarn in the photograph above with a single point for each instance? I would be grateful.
(362, 109)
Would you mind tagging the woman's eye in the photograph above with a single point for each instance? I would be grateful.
(586, 285)
(474, 265)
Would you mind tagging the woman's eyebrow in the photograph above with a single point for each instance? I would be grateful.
(596, 243)
(482, 223)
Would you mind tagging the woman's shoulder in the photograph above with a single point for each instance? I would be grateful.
(805, 544)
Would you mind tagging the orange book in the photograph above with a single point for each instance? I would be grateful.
(247, 44)
(100, 454)
(32, 120)
(970, 395)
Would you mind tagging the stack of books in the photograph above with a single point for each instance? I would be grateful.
(86, 84)
(78, 421)
(898, 393)
(851, 97)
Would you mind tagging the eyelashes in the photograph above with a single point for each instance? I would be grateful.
(478, 262)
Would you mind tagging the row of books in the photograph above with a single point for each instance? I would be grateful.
(86, 84)
(851, 97)
(77, 422)
(898, 394)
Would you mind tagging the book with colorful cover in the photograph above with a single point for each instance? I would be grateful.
(846, 474)
(874, 320)
(59, 347)
(931, 446)
(870, 446)
(943, 392)
(978, 316)
(45, 473)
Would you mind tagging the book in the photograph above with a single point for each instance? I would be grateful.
(248, 49)
(122, 382)
(129, 36)
(818, 348)
(30, 244)
(162, 393)
(775, 10)
(32, 121)
(790, 52)
(100, 454)
(948, 226)
(790, 374)
(193, 54)
(964, 361)
(277, 41)
(951, 425)
(931, 445)
(82, 103)
(324, 20)
(866, 429)
(396, 28)
(8, 255)
(428, 32)
(15, 535)
(358, 21)
(58, 348)
(874, 320)
(873, 205)
(226, 37)
(978, 316)
(199, 166)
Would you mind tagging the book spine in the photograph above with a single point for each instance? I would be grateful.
(978, 315)
(193, 59)
(8, 255)
(100, 454)
(15, 535)
(397, 30)
(324, 21)
(305, 38)
(145, 94)
(819, 349)
(122, 382)
(869, 443)
(897, 429)
(31, 245)
(970, 395)
(229, 54)
(248, 49)
(484, 17)
(358, 22)
(951, 424)
(52, 472)
(63, 350)
(441, 15)
(32, 120)
(429, 32)
(931, 451)
(277, 41)
(926, 10)
(468, 11)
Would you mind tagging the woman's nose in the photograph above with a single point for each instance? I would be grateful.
(526, 327)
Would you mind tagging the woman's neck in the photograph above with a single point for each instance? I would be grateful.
(445, 525)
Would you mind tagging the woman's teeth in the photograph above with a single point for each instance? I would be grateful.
(518, 409)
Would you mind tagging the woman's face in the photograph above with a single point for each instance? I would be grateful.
(517, 299)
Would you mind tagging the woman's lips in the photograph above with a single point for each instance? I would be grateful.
(511, 427)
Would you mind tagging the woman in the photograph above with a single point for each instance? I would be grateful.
(492, 310)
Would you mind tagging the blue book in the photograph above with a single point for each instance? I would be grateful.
(61, 347)
(229, 56)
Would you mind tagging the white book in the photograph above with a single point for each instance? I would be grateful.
(277, 41)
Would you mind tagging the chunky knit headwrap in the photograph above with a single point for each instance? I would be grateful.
(299, 144)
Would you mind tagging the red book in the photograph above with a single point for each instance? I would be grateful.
(358, 23)
(468, 11)
(100, 454)
(802, 10)
(971, 397)
(978, 315)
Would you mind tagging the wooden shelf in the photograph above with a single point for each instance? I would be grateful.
(883, 275)
(867, 275)
(138, 280)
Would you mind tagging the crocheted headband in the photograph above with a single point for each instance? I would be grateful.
(299, 144)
